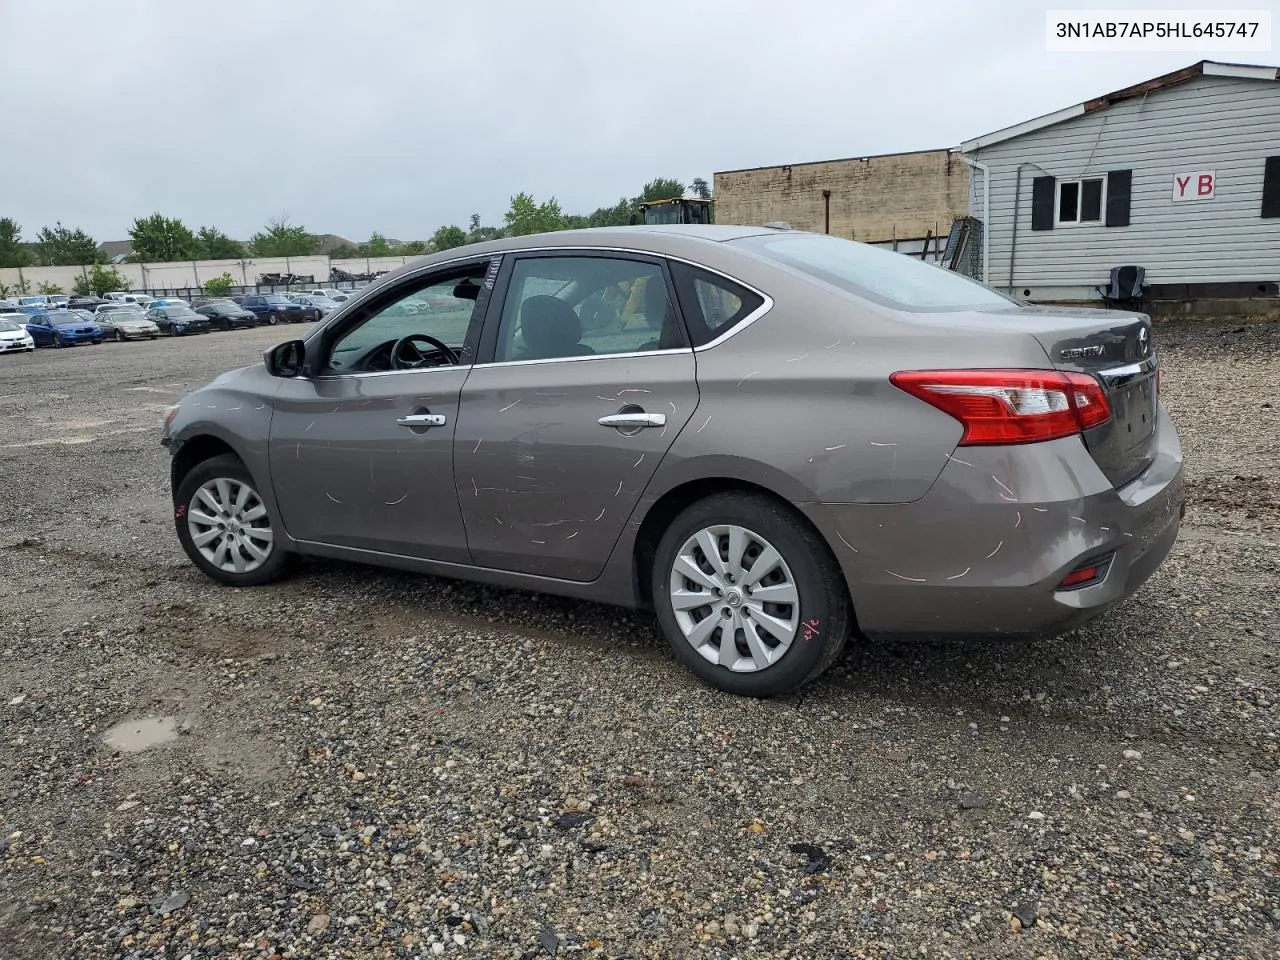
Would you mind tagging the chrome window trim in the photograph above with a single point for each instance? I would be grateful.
(360, 374)
(765, 306)
(632, 355)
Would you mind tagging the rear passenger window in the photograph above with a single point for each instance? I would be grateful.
(712, 305)
(569, 306)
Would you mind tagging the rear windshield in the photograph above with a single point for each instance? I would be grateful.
(893, 279)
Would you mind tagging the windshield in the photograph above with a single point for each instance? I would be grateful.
(278, 301)
(8, 326)
(177, 312)
(892, 279)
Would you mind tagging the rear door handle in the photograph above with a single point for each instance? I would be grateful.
(422, 420)
(633, 421)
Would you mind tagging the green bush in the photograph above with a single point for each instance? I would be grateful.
(219, 286)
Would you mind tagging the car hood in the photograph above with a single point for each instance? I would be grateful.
(14, 334)
(134, 322)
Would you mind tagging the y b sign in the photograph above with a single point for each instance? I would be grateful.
(1197, 185)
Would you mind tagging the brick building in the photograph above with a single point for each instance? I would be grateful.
(901, 197)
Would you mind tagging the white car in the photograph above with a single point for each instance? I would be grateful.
(13, 334)
(119, 296)
(116, 305)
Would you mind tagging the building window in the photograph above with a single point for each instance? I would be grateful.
(1080, 201)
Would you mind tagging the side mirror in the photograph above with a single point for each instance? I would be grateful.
(286, 359)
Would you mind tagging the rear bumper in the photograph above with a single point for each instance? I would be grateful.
(984, 552)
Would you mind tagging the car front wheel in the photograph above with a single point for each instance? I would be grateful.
(224, 526)
(749, 596)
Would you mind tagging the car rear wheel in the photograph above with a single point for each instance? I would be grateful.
(273, 318)
(749, 596)
(119, 337)
(224, 526)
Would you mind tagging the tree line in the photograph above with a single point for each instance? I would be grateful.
(160, 239)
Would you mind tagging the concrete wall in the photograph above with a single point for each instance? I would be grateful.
(1223, 124)
(143, 276)
(874, 199)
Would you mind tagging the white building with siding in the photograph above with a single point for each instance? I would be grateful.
(1180, 175)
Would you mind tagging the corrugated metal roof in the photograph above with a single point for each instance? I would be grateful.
(1205, 68)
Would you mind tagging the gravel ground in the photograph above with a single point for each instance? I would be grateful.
(363, 763)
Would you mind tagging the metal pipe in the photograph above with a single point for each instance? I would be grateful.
(986, 216)
(826, 211)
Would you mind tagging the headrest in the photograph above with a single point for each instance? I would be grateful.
(549, 326)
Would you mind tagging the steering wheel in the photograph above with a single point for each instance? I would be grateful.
(405, 363)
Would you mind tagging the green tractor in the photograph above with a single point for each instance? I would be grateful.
(675, 210)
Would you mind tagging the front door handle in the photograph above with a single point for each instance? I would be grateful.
(422, 420)
(633, 421)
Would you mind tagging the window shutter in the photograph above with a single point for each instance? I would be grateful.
(1271, 188)
(1119, 184)
(1042, 191)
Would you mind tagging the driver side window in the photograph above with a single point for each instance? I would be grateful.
(442, 307)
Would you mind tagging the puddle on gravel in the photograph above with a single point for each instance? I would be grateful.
(134, 736)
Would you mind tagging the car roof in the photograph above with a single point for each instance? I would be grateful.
(677, 240)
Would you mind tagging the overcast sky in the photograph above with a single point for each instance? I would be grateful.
(403, 115)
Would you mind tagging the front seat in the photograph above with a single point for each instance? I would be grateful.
(550, 328)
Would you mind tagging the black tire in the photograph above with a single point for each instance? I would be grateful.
(97, 341)
(171, 331)
(230, 467)
(155, 336)
(119, 337)
(57, 342)
(273, 318)
(825, 615)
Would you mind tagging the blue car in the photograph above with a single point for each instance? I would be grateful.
(62, 328)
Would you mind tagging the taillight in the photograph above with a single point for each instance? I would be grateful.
(1010, 406)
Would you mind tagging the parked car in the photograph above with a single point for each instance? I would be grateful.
(169, 302)
(40, 300)
(824, 434)
(86, 303)
(177, 321)
(323, 305)
(14, 337)
(59, 301)
(141, 299)
(122, 325)
(273, 308)
(115, 306)
(62, 328)
(226, 315)
(84, 315)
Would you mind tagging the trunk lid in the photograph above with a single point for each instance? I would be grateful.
(1118, 350)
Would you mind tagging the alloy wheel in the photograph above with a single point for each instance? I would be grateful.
(229, 525)
(734, 598)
